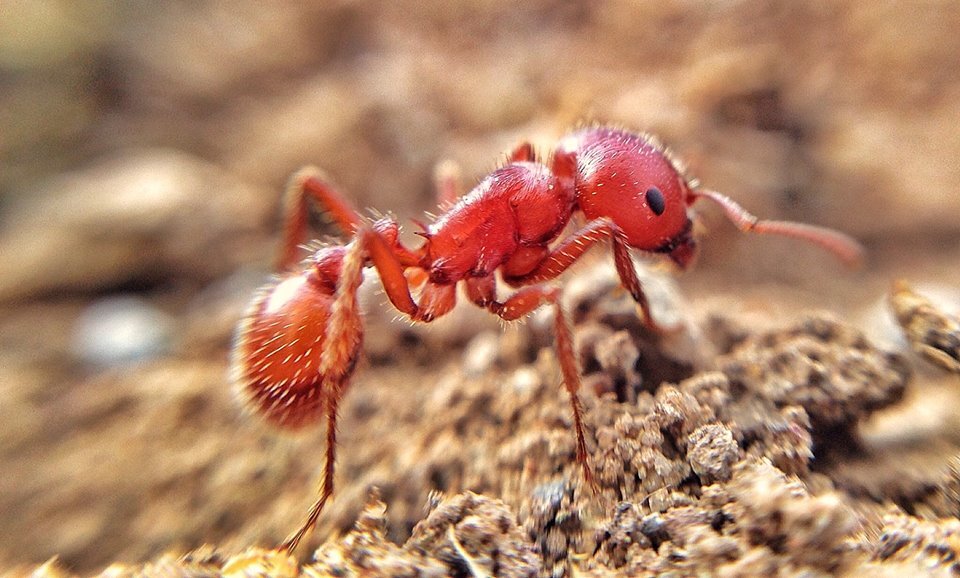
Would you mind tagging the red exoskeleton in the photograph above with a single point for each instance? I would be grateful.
(299, 342)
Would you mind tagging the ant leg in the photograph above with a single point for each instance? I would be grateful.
(578, 243)
(482, 291)
(309, 182)
(513, 307)
(843, 246)
(448, 179)
(326, 487)
(522, 152)
(344, 332)
(630, 281)
(435, 299)
(448, 182)
(563, 255)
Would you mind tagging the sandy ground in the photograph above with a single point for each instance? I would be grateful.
(786, 428)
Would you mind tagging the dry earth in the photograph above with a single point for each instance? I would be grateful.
(785, 426)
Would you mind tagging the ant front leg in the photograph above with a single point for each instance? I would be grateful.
(310, 183)
(628, 278)
(575, 246)
(482, 291)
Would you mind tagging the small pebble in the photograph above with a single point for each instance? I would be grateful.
(119, 330)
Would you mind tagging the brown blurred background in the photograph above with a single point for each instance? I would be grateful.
(143, 148)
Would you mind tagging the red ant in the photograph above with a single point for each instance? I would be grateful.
(298, 344)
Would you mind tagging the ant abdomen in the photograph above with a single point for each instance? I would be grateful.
(277, 364)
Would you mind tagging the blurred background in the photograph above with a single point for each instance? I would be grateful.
(144, 147)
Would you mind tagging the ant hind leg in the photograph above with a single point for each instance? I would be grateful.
(344, 332)
(326, 487)
(436, 299)
(310, 183)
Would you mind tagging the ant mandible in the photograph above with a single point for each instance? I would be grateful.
(299, 341)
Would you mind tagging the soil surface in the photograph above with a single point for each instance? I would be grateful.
(796, 417)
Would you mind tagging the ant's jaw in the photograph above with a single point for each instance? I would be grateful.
(682, 248)
(684, 253)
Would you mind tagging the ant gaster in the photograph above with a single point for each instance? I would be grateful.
(299, 341)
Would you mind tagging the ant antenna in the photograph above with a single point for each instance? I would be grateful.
(844, 247)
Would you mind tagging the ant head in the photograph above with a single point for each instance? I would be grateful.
(631, 180)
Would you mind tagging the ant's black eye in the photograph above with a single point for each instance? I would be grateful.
(655, 201)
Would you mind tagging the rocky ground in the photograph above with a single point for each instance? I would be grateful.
(787, 424)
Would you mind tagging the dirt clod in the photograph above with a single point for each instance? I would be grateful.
(931, 332)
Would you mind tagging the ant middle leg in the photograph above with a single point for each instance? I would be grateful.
(482, 291)
(448, 179)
